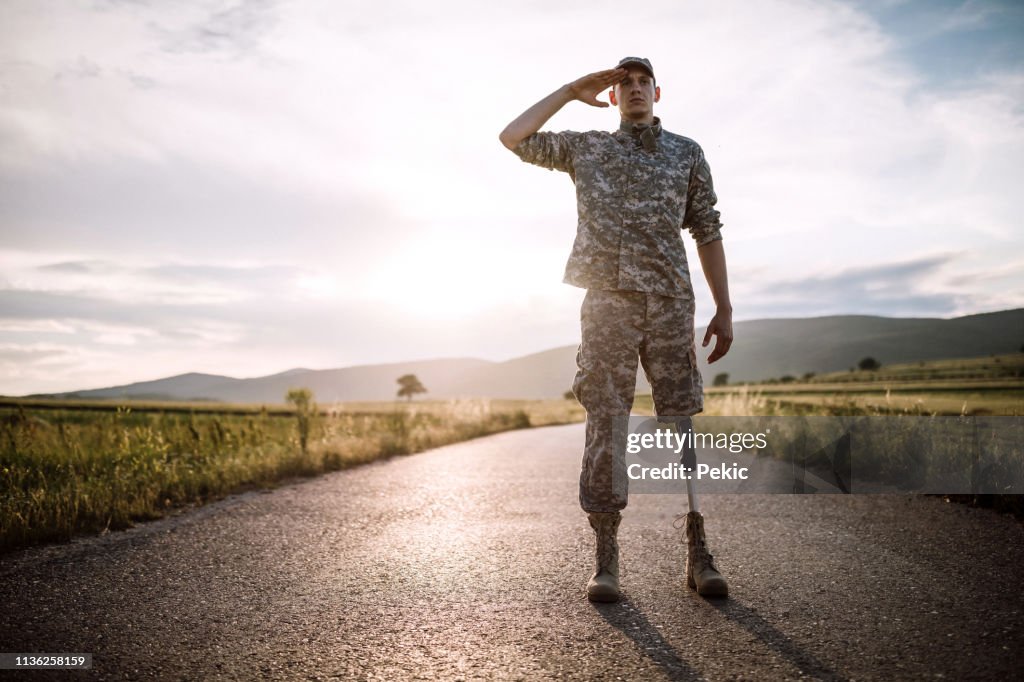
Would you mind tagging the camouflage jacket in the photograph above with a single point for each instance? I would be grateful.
(635, 191)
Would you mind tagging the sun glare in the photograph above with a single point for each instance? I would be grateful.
(436, 279)
(318, 286)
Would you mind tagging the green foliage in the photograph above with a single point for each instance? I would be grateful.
(301, 398)
(305, 411)
(868, 364)
(409, 385)
(721, 379)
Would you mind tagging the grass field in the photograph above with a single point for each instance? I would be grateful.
(991, 385)
(71, 468)
(959, 371)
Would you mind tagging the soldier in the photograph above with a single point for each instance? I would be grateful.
(636, 188)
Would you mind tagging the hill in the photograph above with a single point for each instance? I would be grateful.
(763, 349)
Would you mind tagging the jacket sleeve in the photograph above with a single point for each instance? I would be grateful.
(702, 220)
(554, 151)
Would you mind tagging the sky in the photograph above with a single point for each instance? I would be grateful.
(243, 188)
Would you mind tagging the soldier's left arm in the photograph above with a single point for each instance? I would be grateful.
(712, 260)
(702, 220)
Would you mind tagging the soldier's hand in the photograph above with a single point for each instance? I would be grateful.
(587, 89)
(721, 327)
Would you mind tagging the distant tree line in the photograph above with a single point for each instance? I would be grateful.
(867, 364)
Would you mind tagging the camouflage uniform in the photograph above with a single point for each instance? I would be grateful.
(636, 188)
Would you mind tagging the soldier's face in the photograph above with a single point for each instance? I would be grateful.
(636, 94)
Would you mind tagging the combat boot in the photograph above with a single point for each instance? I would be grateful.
(701, 573)
(604, 585)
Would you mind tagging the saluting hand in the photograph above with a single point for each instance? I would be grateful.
(587, 89)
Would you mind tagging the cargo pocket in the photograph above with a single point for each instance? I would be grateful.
(696, 383)
(577, 382)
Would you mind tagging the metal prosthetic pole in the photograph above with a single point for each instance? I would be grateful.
(689, 461)
(691, 495)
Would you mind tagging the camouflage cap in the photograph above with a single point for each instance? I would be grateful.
(642, 62)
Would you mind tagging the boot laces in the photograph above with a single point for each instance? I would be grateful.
(605, 528)
(698, 546)
(702, 555)
(607, 547)
(692, 526)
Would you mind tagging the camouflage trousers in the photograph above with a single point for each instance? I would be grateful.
(618, 328)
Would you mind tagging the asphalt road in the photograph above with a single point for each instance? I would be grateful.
(470, 561)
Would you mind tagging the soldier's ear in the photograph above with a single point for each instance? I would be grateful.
(611, 96)
(657, 93)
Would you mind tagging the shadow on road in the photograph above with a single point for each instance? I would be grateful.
(634, 624)
(772, 638)
(625, 616)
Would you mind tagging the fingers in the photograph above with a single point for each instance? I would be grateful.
(723, 340)
(611, 74)
(722, 346)
(587, 88)
(604, 79)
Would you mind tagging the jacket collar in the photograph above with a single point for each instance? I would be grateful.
(647, 135)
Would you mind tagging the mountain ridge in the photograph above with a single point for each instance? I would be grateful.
(763, 348)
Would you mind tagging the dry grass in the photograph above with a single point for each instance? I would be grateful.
(756, 400)
(540, 412)
(992, 385)
(66, 471)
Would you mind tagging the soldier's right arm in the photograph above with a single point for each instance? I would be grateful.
(529, 122)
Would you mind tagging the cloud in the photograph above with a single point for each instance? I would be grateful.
(76, 286)
(79, 266)
(14, 353)
(235, 30)
(899, 289)
(81, 68)
(882, 277)
(182, 208)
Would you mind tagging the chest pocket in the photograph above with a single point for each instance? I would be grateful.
(605, 176)
(666, 179)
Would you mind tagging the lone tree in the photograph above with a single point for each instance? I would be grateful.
(869, 364)
(409, 386)
(721, 379)
(302, 399)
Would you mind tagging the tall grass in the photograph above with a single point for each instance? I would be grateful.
(64, 472)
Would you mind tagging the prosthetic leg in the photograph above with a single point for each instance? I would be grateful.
(701, 573)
